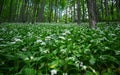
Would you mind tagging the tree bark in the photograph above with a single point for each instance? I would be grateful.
(34, 13)
(95, 10)
(66, 12)
(91, 13)
(41, 12)
(112, 9)
(118, 9)
(106, 10)
(10, 11)
(1, 8)
(22, 11)
(78, 11)
(102, 15)
(83, 9)
(50, 6)
(56, 10)
(74, 12)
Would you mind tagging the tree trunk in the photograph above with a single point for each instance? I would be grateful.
(102, 15)
(74, 12)
(91, 12)
(83, 9)
(15, 11)
(106, 10)
(22, 11)
(34, 13)
(56, 10)
(10, 11)
(1, 8)
(112, 9)
(50, 6)
(95, 10)
(78, 11)
(118, 9)
(41, 12)
(66, 12)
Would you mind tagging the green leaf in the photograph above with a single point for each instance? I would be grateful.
(92, 60)
(28, 71)
(89, 73)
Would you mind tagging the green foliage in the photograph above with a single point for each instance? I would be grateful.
(38, 49)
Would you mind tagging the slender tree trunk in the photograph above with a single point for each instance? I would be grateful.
(106, 10)
(91, 12)
(95, 10)
(112, 10)
(118, 9)
(1, 8)
(50, 8)
(34, 13)
(10, 11)
(41, 12)
(74, 12)
(102, 15)
(83, 15)
(71, 13)
(66, 12)
(78, 11)
(22, 11)
(56, 10)
(15, 10)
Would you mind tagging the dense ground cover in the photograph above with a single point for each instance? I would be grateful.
(39, 49)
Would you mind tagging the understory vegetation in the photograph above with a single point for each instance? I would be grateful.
(43, 49)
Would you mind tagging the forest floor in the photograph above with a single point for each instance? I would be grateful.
(27, 49)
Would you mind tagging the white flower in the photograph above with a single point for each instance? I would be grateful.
(61, 37)
(38, 41)
(65, 74)
(31, 57)
(84, 67)
(18, 40)
(53, 72)
(81, 64)
(43, 43)
(24, 49)
(45, 51)
(63, 51)
(67, 32)
(47, 38)
(69, 39)
(72, 58)
(94, 71)
(63, 33)
(26, 58)
(12, 42)
(1, 39)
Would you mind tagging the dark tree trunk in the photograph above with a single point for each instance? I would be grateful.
(78, 11)
(106, 10)
(74, 12)
(1, 7)
(34, 13)
(118, 9)
(22, 11)
(91, 12)
(71, 13)
(15, 13)
(10, 11)
(83, 7)
(95, 10)
(56, 10)
(102, 15)
(112, 10)
(50, 6)
(41, 12)
(66, 13)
